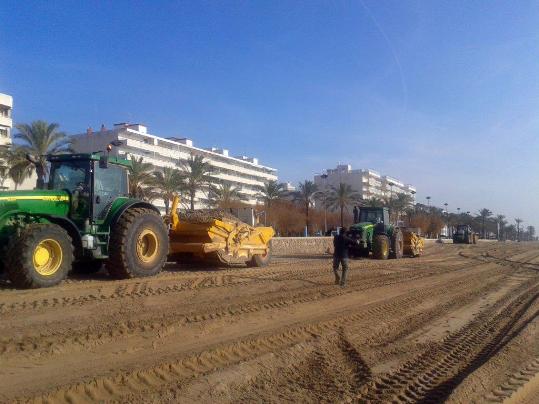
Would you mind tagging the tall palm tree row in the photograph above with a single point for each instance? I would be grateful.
(140, 178)
(484, 214)
(40, 139)
(518, 221)
(169, 182)
(342, 197)
(271, 191)
(225, 195)
(305, 195)
(196, 176)
(500, 224)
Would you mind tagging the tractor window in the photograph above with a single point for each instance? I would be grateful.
(70, 175)
(111, 181)
(373, 216)
(109, 184)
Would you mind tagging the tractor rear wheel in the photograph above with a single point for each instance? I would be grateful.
(260, 260)
(380, 247)
(40, 257)
(397, 244)
(138, 244)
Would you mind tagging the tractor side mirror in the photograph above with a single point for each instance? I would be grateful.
(103, 162)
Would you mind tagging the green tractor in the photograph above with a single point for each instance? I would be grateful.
(375, 234)
(464, 235)
(84, 217)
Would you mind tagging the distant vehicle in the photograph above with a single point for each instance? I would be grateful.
(376, 234)
(464, 235)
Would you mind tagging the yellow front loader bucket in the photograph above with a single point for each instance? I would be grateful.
(228, 241)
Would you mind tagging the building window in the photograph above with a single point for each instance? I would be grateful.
(3, 132)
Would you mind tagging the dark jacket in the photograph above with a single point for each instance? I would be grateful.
(340, 245)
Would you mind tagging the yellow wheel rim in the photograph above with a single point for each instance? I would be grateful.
(147, 245)
(385, 249)
(47, 257)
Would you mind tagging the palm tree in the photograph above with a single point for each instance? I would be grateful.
(324, 198)
(518, 221)
(500, 222)
(168, 182)
(342, 197)
(140, 178)
(375, 202)
(305, 194)
(4, 167)
(484, 214)
(400, 203)
(19, 168)
(40, 139)
(531, 232)
(196, 176)
(224, 195)
(271, 191)
(510, 231)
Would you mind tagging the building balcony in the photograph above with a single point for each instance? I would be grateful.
(5, 121)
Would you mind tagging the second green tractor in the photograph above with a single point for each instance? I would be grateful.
(377, 236)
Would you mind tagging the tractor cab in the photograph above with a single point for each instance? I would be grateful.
(91, 182)
(374, 215)
(463, 228)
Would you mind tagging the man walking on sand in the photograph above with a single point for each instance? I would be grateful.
(340, 255)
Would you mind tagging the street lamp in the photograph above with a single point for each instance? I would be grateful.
(325, 177)
(447, 219)
(390, 190)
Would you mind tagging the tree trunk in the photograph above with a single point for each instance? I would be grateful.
(40, 171)
(166, 200)
(342, 218)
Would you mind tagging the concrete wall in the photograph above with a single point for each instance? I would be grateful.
(301, 245)
(322, 245)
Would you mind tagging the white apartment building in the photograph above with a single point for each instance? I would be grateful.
(6, 125)
(368, 183)
(245, 173)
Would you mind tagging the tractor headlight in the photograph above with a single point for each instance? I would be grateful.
(88, 242)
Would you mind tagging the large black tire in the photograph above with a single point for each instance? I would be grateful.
(397, 244)
(260, 260)
(380, 247)
(40, 257)
(138, 244)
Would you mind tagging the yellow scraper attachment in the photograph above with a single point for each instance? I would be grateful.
(227, 240)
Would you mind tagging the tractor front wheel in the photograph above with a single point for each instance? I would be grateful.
(380, 247)
(138, 244)
(40, 257)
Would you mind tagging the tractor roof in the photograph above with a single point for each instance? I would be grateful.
(89, 156)
(374, 209)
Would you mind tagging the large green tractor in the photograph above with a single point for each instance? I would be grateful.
(375, 234)
(84, 217)
(464, 235)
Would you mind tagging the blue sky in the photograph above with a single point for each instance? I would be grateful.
(442, 94)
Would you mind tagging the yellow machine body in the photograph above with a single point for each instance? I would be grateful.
(414, 244)
(228, 241)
